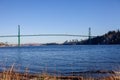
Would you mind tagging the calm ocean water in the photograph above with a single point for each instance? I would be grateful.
(62, 59)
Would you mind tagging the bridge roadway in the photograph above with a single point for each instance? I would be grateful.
(72, 35)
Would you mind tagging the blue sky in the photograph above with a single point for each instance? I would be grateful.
(57, 16)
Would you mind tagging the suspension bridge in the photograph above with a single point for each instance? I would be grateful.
(72, 35)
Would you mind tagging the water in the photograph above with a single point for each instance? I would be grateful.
(62, 59)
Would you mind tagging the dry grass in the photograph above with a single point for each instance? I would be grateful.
(11, 74)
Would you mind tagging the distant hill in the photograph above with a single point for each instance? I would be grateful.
(112, 37)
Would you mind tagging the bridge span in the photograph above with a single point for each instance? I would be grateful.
(35, 35)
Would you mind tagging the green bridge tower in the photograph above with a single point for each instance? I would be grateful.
(18, 35)
(89, 35)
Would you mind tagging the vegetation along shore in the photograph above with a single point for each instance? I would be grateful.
(12, 74)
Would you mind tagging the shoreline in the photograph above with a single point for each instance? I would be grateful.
(59, 45)
(11, 75)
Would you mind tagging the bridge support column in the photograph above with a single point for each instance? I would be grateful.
(89, 35)
(18, 35)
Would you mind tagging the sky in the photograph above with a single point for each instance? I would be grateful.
(57, 17)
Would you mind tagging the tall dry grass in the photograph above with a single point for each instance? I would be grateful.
(12, 74)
